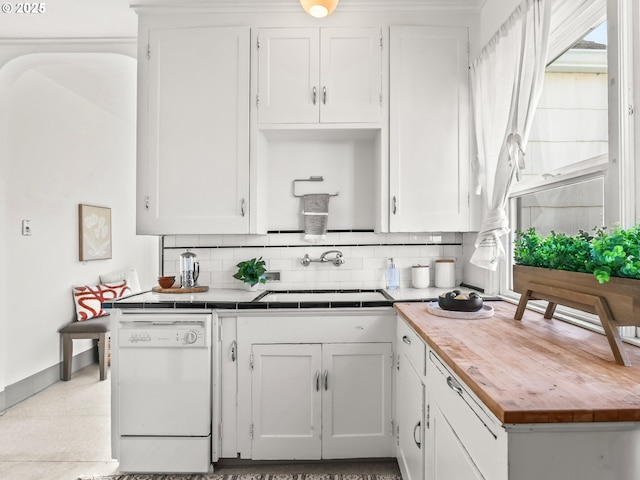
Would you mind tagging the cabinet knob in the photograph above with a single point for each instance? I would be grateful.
(394, 205)
(315, 94)
(406, 340)
(317, 381)
(324, 95)
(242, 207)
(326, 380)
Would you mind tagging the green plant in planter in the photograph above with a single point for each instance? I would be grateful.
(557, 251)
(251, 271)
(604, 254)
(616, 254)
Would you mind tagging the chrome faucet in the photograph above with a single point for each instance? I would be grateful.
(337, 260)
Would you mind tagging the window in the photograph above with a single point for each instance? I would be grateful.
(569, 182)
(568, 144)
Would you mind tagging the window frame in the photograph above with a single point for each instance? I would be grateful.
(621, 177)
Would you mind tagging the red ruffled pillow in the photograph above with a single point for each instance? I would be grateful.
(89, 298)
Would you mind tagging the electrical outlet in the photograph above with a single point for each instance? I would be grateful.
(26, 228)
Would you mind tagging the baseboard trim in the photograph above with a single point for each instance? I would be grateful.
(27, 387)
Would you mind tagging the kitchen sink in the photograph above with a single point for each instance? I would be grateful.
(324, 296)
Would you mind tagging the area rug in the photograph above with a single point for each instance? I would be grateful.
(244, 476)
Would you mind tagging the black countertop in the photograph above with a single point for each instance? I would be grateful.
(235, 299)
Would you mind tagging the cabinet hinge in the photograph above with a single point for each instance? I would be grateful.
(146, 202)
(381, 42)
(398, 363)
(381, 99)
(148, 52)
(631, 110)
(251, 430)
(393, 427)
(393, 358)
(427, 416)
(251, 361)
(258, 43)
(257, 101)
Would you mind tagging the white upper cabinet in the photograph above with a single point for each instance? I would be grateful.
(193, 134)
(429, 129)
(327, 75)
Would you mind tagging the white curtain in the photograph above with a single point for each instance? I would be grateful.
(506, 83)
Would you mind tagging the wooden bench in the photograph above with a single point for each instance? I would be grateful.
(95, 328)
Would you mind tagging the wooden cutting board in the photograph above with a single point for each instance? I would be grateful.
(180, 289)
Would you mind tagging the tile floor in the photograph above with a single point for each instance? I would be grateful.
(60, 433)
(64, 432)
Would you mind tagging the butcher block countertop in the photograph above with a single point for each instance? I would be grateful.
(534, 370)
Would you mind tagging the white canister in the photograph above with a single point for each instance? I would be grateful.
(420, 276)
(445, 273)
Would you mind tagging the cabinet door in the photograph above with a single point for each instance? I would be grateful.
(410, 401)
(351, 75)
(450, 460)
(288, 74)
(193, 158)
(428, 132)
(356, 403)
(285, 402)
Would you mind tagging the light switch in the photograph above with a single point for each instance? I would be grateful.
(26, 228)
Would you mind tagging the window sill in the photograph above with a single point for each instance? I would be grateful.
(569, 315)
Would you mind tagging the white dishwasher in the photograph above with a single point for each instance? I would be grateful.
(164, 365)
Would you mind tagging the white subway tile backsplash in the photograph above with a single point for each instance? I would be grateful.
(365, 255)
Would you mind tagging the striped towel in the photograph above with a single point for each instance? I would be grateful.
(316, 214)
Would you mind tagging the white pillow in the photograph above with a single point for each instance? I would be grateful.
(131, 276)
(89, 298)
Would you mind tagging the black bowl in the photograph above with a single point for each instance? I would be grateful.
(457, 302)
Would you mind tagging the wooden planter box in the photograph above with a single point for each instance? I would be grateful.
(616, 302)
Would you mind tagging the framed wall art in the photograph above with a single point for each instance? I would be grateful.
(95, 232)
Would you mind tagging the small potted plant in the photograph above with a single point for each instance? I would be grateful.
(251, 272)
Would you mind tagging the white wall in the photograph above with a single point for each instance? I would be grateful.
(493, 15)
(68, 136)
(72, 18)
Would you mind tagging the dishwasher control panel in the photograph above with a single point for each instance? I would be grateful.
(167, 332)
(183, 336)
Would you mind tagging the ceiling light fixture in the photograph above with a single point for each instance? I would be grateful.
(319, 8)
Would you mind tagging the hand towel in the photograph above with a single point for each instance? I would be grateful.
(316, 213)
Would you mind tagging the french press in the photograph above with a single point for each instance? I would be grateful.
(189, 270)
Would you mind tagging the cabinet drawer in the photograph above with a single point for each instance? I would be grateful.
(411, 345)
(480, 434)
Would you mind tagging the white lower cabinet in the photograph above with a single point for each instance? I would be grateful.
(442, 431)
(410, 403)
(285, 401)
(450, 459)
(465, 441)
(315, 385)
(312, 401)
(410, 422)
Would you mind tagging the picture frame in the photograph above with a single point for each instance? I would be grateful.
(94, 232)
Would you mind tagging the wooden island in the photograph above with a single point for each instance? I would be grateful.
(526, 399)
